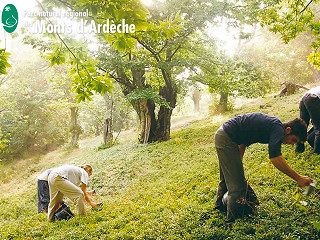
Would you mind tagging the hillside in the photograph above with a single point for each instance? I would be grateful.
(167, 190)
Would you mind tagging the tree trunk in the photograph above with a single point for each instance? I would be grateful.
(145, 111)
(196, 96)
(151, 129)
(75, 128)
(145, 122)
(97, 129)
(162, 132)
(108, 122)
(223, 103)
(163, 125)
(107, 132)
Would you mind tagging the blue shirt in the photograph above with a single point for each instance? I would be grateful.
(256, 128)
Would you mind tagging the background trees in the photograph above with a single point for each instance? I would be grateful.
(30, 120)
(145, 64)
(289, 19)
(39, 112)
(226, 76)
(149, 70)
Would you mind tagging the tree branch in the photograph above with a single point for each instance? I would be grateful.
(166, 43)
(63, 42)
(174, 52)
(152, 51)
(3, 80)
(120, 80)
(306, 6)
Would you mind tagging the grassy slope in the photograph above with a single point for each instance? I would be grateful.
(167, 190)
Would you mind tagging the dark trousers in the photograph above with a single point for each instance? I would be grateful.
(43, 196)
(310, 109)
(232, 177)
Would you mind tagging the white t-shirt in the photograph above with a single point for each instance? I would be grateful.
(74, 174)
(44, 176)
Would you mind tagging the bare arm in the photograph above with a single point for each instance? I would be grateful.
(281, 164)
(86, 195)
(242, 148)
(92, 192)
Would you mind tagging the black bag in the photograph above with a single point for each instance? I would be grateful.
(244, 206)
(62, 212)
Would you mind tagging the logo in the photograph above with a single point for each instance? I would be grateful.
(9, 18)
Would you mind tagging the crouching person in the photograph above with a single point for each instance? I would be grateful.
(231, 140)
(64, 181)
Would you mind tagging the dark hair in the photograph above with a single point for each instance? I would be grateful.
(84, 166)
(298, 128)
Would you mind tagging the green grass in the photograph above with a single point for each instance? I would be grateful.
(167, 190)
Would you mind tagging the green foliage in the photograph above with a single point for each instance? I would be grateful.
(4, 64)
(147, 94)
(83, 71)
(291, 18)
(215, 107)
(285, 62)
(314, 59)
(105, 146)
(167, 190)
(85, 78)
(235, 77)
(31, 120)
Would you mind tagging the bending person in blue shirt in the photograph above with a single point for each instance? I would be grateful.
(231, 140)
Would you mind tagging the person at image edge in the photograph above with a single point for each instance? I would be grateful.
(231, 140)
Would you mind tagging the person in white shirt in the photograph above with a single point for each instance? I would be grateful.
(64, 181)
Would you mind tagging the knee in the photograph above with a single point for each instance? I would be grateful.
(79, 197)
(82, 195)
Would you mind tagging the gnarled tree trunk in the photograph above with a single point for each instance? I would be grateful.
(152, 128)
(145, 122)
(223, 102)
(162, 133)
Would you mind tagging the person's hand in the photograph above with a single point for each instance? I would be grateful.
(304, 181)
(94, 205)
(92, 192)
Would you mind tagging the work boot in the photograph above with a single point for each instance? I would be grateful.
(221, 208)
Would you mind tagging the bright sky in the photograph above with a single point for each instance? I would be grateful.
(227, 38)
(149, 3)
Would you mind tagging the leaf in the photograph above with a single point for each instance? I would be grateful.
(303, 208)
(316, 225)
